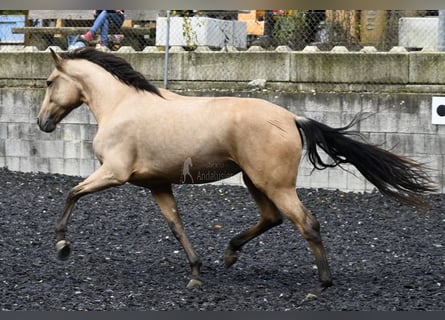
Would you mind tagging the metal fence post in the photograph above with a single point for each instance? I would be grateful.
(167, 45)
(441, 33)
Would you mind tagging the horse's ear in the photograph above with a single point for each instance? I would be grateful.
(57, 58)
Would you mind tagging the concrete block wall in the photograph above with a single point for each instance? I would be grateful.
(396, 88)
(23, 147)
(393, 124)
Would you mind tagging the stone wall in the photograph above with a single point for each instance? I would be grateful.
(395, 88)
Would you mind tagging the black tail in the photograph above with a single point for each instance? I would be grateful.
(398, 177)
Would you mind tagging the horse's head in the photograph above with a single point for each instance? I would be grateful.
(63, 94)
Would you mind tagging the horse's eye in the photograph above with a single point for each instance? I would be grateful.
(48, 83)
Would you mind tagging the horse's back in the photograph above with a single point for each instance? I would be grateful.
(235, 122)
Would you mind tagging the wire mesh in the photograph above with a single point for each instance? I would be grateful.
(269, 29)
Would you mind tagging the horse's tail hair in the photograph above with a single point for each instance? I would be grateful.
(396, 176)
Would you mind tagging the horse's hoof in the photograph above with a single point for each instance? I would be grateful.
(310, 296)
(63, 248)
(194, 283)
(230, 257)
(316, 292)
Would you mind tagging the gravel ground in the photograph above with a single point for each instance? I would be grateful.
(383, 255)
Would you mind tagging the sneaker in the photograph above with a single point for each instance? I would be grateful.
(87, 36)
(101, 46)
(116, 38)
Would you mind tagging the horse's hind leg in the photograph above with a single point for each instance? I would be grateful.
(290, 205)
(270, 217)
(163, 195)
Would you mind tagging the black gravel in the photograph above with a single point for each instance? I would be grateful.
(383, 255)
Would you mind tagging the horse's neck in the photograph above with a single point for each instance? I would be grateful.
(101, 91)
(100, 102)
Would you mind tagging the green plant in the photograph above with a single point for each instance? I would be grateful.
(190, 36)
(289, 30)
(188, 32)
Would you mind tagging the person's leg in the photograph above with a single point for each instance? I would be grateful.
(117, 19)
(98, 23)
(104, 30)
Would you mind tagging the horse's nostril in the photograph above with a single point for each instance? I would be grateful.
(38, 121)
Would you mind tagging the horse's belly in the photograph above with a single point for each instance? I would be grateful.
(209, 172)
(186, 173)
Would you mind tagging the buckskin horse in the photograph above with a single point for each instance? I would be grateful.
(145, 134)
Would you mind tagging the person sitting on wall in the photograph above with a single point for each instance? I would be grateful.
(102, 21)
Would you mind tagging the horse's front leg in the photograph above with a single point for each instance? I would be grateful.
(99, 180)
(163, 195)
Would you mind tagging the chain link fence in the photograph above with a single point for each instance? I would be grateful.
(269, 29)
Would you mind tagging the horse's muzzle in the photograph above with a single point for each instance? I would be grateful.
(46, 125)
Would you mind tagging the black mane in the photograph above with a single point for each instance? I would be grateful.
(115, 65)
